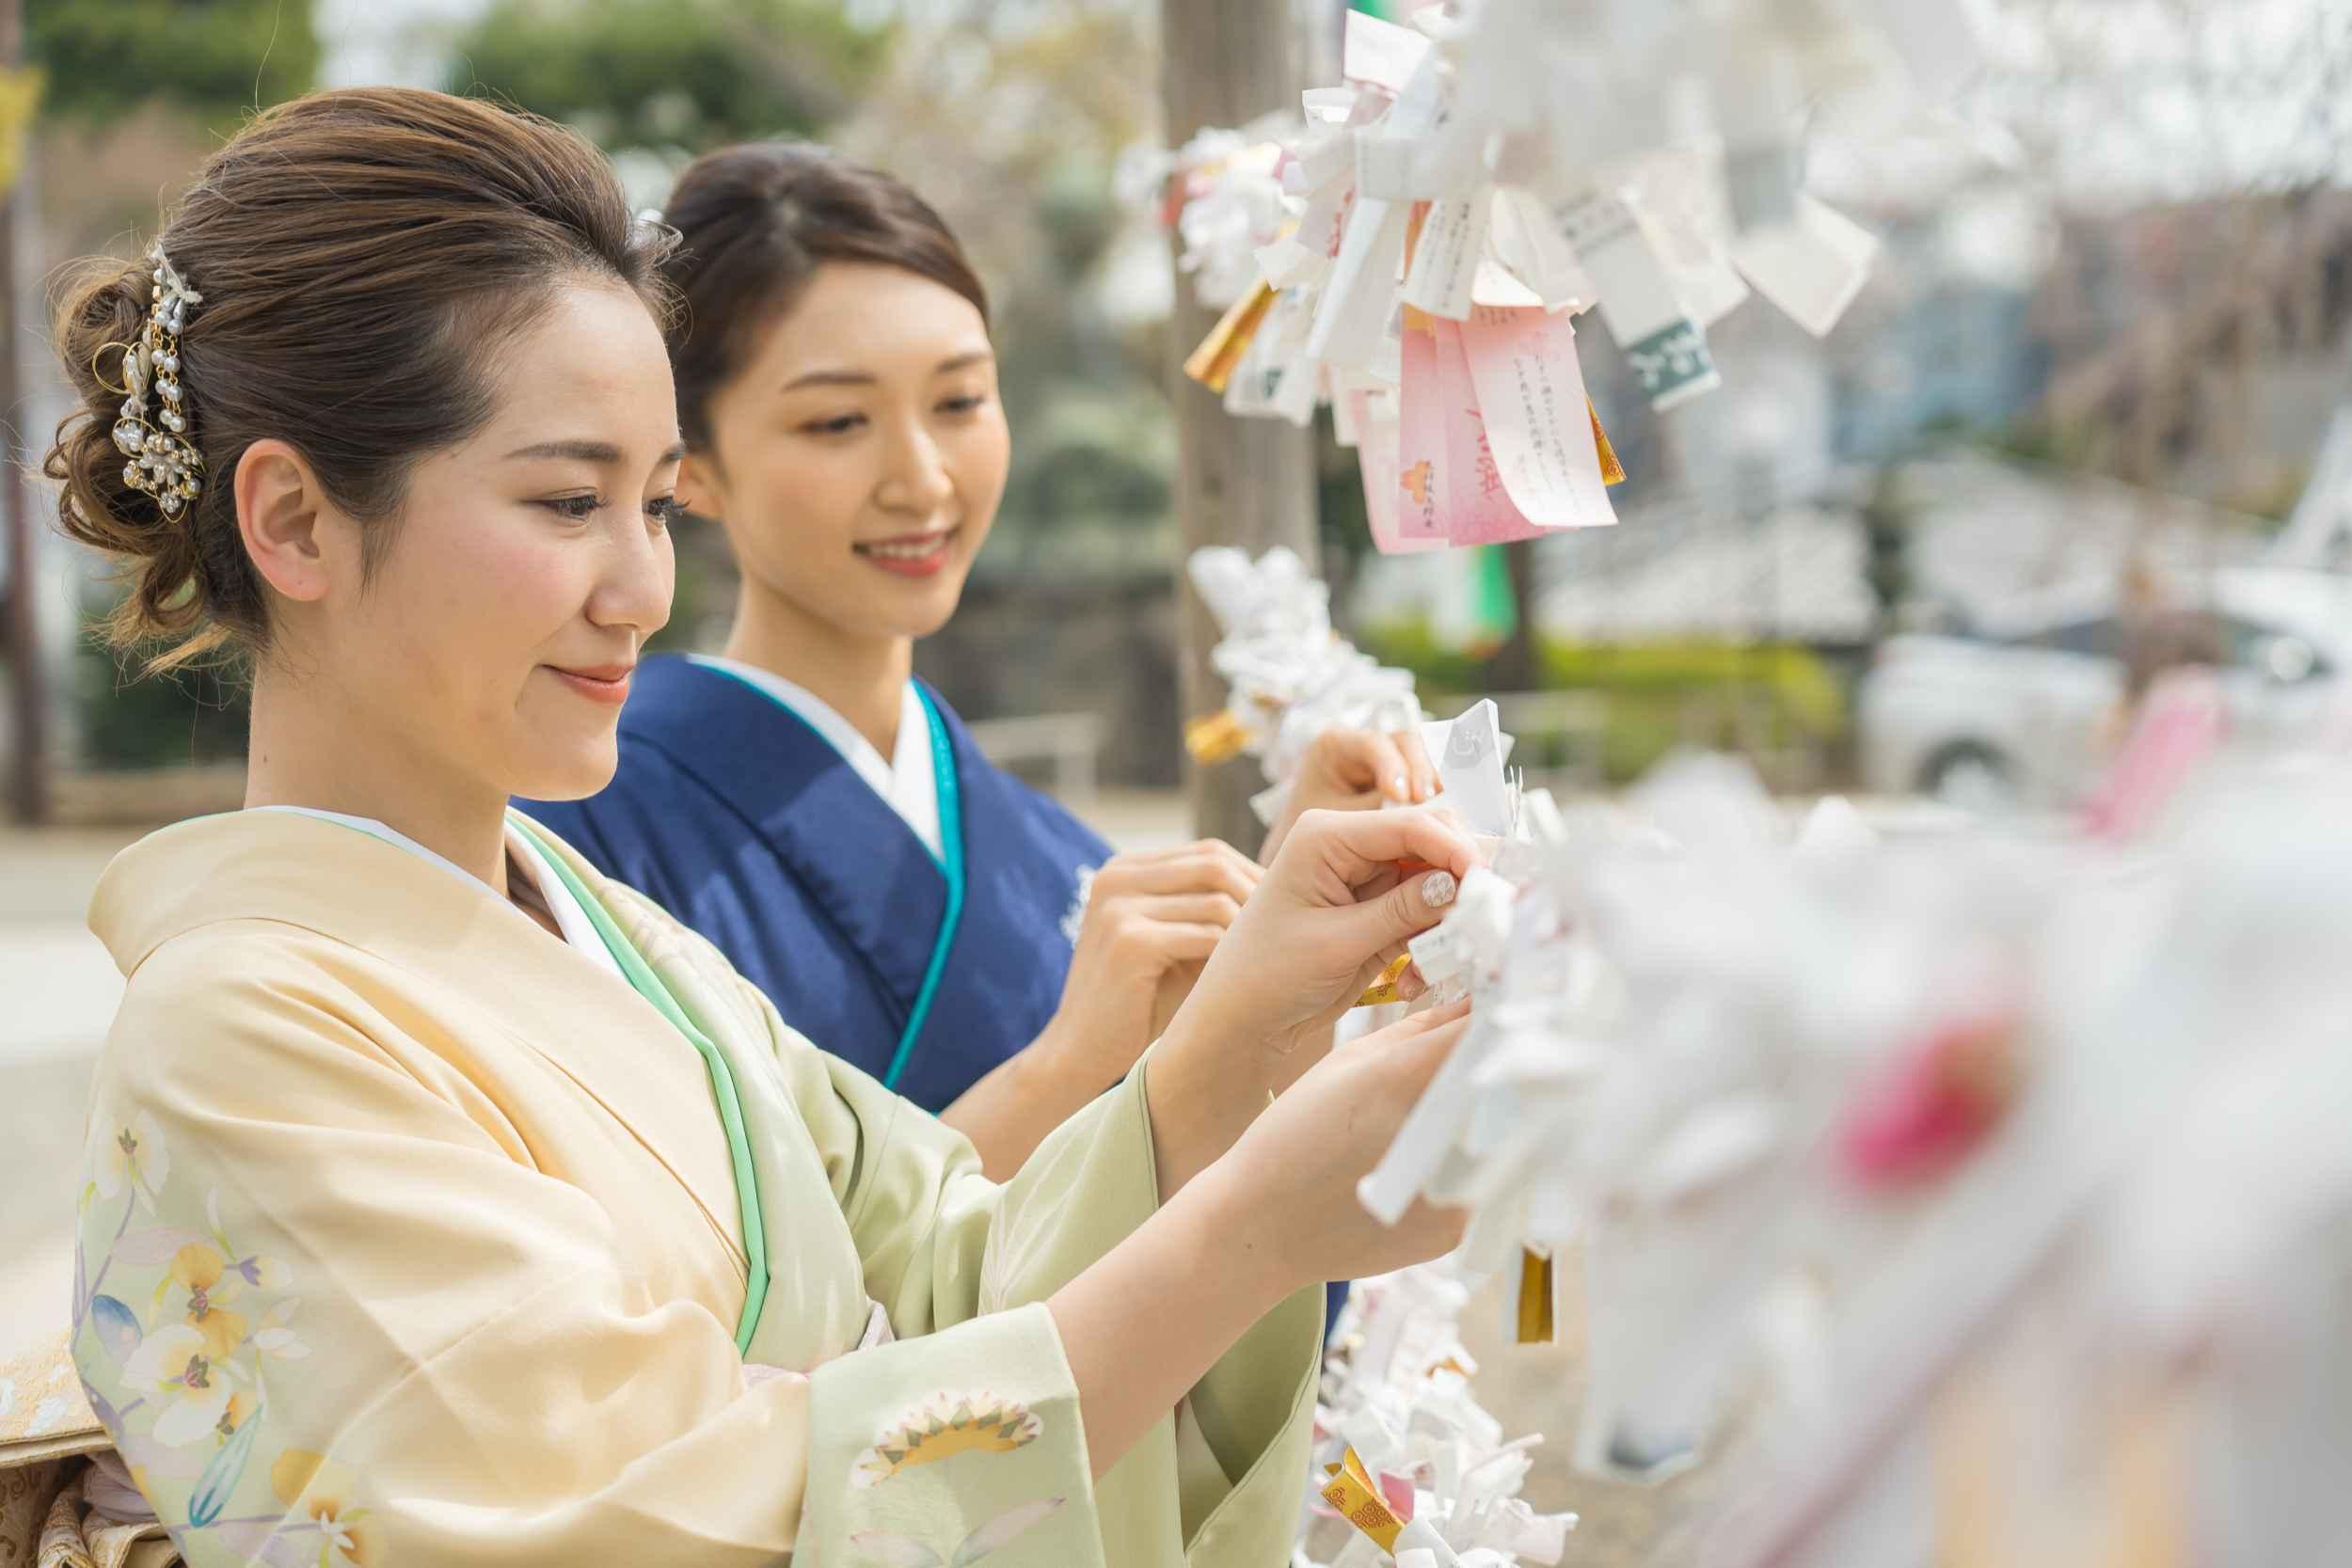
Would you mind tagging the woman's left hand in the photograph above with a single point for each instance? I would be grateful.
(1355, 771)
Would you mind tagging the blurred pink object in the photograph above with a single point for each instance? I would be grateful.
(2180, 726)
(1933, 1105)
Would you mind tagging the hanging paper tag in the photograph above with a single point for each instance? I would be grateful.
(1536, 1325)
(1611, 472)
(1276, 377)
(1388, 153)
(1679, 205)
(1665, 347)
(1542, 266)
(1421, 433)
(1531, 394)
(1211, 364)
(1380, 54)
(1216, 737)
(1938, 41)
(2181, 723)
(1452, 242)
(1360, 293)
(1377, 438)
(1476, 508)
(1812, 266)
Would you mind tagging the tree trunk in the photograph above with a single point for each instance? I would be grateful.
(1248, 483)
(28, 774)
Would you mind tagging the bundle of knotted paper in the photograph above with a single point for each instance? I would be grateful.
(1408, 1464)
(1997, 1180)
(1289, 675)
(1417, 254)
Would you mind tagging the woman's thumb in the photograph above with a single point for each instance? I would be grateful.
(1405, 910)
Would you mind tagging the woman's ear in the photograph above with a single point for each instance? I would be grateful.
(282, 517)
(698, 488)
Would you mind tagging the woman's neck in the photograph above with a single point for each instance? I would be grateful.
(862, 679)
(312, 747)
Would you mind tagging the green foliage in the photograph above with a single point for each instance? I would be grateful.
(1659, 695)
(671, 73)
(190, 716)
(217, 58)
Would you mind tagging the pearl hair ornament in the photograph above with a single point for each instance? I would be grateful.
(163, 462)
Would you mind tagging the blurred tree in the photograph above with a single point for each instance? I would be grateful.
(1009, 120)
(686, 74)
(1887, 531)
(106, 60)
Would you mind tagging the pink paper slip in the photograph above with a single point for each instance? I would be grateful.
(1421, 435)
(1477, 507)
(1373, 412)
(1531, 393)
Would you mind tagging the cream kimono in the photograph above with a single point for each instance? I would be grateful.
(411, 1236)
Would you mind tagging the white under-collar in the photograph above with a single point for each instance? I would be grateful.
(906, 780)
(580, 932)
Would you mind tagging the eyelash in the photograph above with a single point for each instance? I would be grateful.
(663, 510)
(849, 422)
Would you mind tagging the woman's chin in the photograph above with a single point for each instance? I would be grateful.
(571, 772)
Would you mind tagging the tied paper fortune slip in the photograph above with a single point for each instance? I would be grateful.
(1497, 440)
(1666, 348)
(1531, 393)
(1670, 192)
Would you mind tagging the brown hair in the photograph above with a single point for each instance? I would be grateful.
(362, 255)
(754, 222)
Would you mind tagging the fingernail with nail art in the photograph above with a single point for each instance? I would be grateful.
(1438, 890)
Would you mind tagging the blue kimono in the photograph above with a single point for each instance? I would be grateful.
(742, 821)
(746, 824)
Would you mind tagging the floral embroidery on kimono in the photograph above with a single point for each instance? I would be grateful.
(195, 1360)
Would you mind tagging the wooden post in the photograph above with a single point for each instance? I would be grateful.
(28, 774)
(1246, 482)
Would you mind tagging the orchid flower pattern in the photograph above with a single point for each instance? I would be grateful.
(178, 1332)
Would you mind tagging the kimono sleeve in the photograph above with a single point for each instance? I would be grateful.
(960, 1265)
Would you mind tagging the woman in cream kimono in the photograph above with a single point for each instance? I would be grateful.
(449, 1204)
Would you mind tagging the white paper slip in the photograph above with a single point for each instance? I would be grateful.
(1468, 751)
(1938, 41)
(1380, 54)
(1666, 348)
(1679, 204)
(1358, 295)
(1388, 160)
(1445, 258)
(1275, 375)
(1812, 267)
(1524, 238)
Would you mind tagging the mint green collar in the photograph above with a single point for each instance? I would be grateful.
(648, 984)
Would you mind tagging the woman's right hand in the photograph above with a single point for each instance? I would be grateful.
(1289, 1185)
(1355, 771)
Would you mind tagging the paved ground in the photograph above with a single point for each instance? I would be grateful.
(58, 987)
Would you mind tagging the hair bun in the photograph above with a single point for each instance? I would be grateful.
(104, 309)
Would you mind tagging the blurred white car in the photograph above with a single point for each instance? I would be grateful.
(2027, 710)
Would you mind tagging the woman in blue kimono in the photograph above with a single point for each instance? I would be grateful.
(801, 798)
